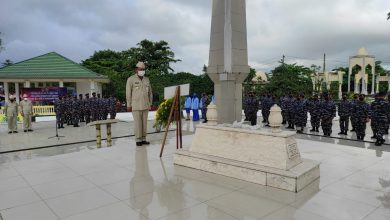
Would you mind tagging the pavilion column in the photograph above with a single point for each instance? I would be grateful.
(92, 87)
(377, 78)
(36, 84)
(349, 78)
(6, 91)
(61, 83)
(17, 92)
(27, 84)
(340, 92)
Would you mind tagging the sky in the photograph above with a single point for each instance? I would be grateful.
(302, 30)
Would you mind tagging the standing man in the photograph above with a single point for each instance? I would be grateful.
(252, 108)
(315, 113)
(361, 110)
(11, 111)
(75, 108)
(87, 108)
(344, 110)
(195, 108)
(328, 112)
(139, 98)
(59, 110)
(353, 116)
(26, 108)
(205, 102)
(380, 114)
(81, 104)
(300, 111)
(187, 107)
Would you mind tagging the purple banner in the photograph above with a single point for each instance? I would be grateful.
(44, 94)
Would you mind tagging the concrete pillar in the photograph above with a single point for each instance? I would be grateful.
(349, 77)
(36, 84)
(6, 91)
(27, 84)
(61, 84)
(377, 78)
(92, 87)
(364, 82)
(17, 92)
(228, 58)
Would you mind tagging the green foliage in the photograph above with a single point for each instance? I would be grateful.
(7, 62)
(289, 78)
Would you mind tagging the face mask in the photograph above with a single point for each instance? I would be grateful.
(141, 73)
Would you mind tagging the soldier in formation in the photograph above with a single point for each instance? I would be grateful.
(379, 116)
(314, 108)
(328, 112)
(252, 108)
(300, 112)
(361, 112)
(344, 111)
(74, 110)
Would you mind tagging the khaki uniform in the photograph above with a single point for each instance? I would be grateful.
(11, 111)
(27, 111)
(139, 96)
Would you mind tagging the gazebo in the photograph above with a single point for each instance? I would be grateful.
(50, 70)
(362, 59)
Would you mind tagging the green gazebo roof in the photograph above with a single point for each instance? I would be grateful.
(48, 66)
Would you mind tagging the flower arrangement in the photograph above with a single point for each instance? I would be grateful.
(162, 114)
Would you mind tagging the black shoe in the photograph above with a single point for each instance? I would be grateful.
(353, 129)
(299, 132)
(313, 130)
(138, 144)
(15, 132)
(9, 132)
(30, 130)
(373, 137)
(317, 130)
(76, 126)
(341, 132)
(145, 142)
(378, 143)
(345, 133)
(25, 130)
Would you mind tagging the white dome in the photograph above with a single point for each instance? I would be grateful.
(362, 52)
(260, 77)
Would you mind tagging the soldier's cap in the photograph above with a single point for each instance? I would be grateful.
(86, 94)
(140, 65)
(80, 94)
(94, 93)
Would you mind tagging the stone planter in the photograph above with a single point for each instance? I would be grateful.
(275, 118)
(212, 115)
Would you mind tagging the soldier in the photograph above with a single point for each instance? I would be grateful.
(187, 107)
(253, 107)
(380, 114)
(245, 107)
(68, 110)
(268, 105)
(26, 108)
(112, 107)
(263, 104)
(300, 111)
(374, 122)
(93, 106)
(75, 108)
(328, 112)
(139, 98)
(344, 111)
(59, 110)
(87, 108)
(11, 111)
(81, 104)
(315, 113)
(290, 111)
(195, 107)
(361, 112)
(106, 106)
(353, 117)
(100, 107)
(282, 102)
(205, 102)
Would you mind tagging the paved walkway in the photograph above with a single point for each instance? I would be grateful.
(129, 182)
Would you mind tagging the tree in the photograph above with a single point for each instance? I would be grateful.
(290, 78)
(7, 62)
(119, 65)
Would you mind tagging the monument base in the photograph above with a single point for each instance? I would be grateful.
(270, 159)
(293, 180)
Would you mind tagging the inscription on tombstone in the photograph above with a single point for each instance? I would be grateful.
(292, 151)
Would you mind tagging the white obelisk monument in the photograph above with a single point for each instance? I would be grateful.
(228, 59)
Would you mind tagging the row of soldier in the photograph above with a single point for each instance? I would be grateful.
(322, 111)
(72, 110)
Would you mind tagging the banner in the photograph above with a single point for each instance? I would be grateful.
(44, 94)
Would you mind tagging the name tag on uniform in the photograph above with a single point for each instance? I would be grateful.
(136, 83)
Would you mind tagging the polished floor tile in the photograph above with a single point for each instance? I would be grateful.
(199, 212)
(162, 202)
(334, 207)
(12, 183)
(116, 211)
(49, 176)
(7, 171)
(62, 187)
(379, 214)
(137, 185)
(33, 211)
(75, 203)
(109, 176)
(10, 199)
(291, 213)
(244, 205)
